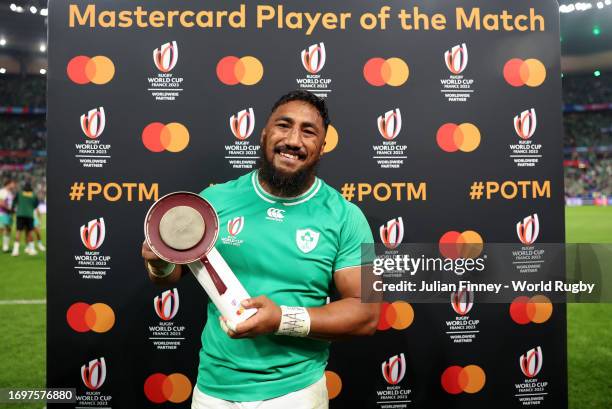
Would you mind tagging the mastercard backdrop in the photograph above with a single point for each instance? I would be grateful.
(183, 108)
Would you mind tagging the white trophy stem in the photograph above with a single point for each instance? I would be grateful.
(222, 287)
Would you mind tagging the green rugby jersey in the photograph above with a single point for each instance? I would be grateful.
(26, 203)
(288, 250)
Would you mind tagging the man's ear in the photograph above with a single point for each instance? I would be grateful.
(263, 135)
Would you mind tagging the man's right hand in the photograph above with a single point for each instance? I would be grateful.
(157, 265)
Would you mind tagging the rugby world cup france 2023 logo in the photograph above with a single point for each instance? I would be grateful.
(93, 374)
(313, 58)
(390, 124)
(167, 305)
(166, 56)
(392, 233)
(525, 124)
(528, 229)
(242, 123)
(462, 301)
(394, 369)
(456, 59)
(93, 233)
(93, 122)
(531, 362)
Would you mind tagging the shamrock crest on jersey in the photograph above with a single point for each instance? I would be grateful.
(306, 239)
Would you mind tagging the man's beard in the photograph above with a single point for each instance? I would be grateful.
(285, 184)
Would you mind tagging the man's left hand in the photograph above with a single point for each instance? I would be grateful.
(265, 321)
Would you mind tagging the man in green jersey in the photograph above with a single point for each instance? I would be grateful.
(289, 238)
(25, 204)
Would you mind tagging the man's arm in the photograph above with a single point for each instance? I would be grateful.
(347, 316)
(336, 320)
(4, 205)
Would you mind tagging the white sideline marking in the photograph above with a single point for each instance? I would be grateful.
(23, 302)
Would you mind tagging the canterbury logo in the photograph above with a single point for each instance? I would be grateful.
(93, 122)
(166, 56)
(528, 229)
(392, 233)
(276, 214)
(525, 124)
(167, 305)
(242, 123)
(456, 59)
(394, 369)
(462, 301)
(93, 233)
(531, 362)
(390, 124)
(313, 58)
(94, 374)
(235, 225)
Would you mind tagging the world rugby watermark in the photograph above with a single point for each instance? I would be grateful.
(487, 273)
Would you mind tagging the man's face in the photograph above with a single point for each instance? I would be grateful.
(294, 137)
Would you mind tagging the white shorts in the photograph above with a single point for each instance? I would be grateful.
(311, 397)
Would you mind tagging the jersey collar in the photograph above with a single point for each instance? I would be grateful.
(287, 201)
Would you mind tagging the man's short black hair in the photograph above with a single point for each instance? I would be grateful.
(308, 97)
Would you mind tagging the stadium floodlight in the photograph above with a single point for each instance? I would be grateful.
(19, 9)
(580, 6)
(597, 73)
(43, 71)
(600, 4)
(33, 9)
(608, 2)
(2, 70)
(13, 7)
(596, 31)
(43, 47)
(2, 42)
(43, 12)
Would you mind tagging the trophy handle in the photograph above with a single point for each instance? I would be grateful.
(222, 287)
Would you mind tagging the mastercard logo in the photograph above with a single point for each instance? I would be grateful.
(529, 72)
(233, 70)
(334, 384)
(83, 70)
(160, 388)
(452, 137)
(331, 139)
(158, 137)
(398, 315)
(454, 245)
(537, 309)
(83, 317)
(392, 71)
(457, 379)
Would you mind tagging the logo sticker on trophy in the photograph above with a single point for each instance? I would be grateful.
(182, 228)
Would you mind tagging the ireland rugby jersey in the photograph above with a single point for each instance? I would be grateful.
(286, 249)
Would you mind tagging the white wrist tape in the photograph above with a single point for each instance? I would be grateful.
(295, 322)
(161, 273)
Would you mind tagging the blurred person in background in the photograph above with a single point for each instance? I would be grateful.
(36, 229)
(7, 195)
(26, 204)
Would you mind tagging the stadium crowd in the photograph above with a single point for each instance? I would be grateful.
(588, 136)
(587, 89)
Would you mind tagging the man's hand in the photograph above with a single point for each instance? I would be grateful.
(159, 265)
(152, 258)
(265, 321)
